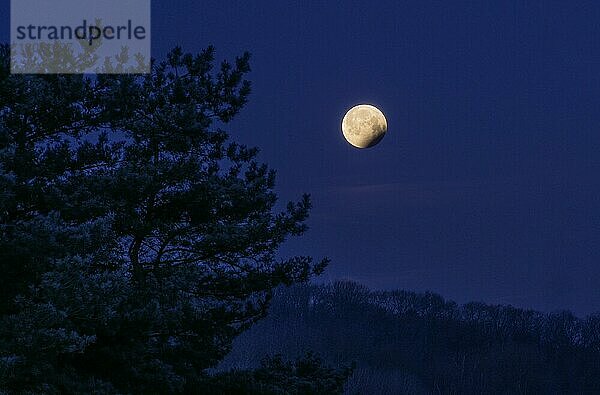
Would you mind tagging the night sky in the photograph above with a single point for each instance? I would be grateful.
(487, 184)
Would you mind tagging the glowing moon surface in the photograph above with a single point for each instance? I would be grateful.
(364, 126)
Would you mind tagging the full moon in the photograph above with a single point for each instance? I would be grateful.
(364, 126)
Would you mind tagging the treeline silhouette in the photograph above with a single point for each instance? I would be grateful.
(405, 342)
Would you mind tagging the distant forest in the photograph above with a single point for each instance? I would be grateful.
(405, 342)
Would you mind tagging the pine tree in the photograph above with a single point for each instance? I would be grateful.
(136, 240)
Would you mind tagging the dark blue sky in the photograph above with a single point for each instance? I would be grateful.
(487, 185)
